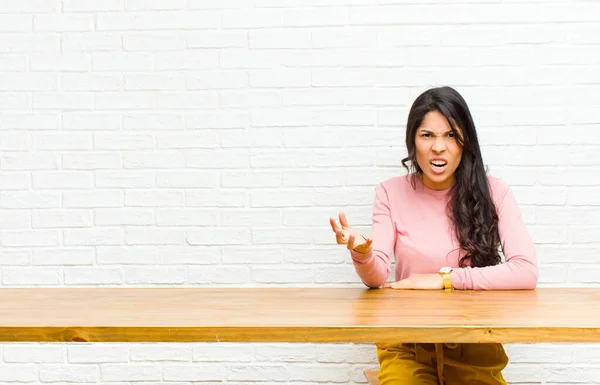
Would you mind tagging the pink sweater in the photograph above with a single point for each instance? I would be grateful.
(413, 224)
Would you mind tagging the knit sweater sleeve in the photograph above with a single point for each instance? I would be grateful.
(374, 267)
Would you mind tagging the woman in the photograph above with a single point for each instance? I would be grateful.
(446, 222)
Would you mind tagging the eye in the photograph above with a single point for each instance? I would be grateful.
(426, 134)
(451, 135)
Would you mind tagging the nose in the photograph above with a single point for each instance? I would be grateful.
(439, 144)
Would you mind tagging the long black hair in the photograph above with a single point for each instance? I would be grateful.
(470, 207)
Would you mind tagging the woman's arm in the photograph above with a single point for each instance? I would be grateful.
(373, 268)
(520, 271)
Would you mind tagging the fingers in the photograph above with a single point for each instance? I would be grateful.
(350, 242)
(343, 220)
(334, 225)
(340, 237)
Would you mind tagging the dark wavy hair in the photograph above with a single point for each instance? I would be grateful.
(470, 207)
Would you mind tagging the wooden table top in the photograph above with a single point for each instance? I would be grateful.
(298, 315)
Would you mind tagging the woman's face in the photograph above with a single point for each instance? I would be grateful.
(438, 151)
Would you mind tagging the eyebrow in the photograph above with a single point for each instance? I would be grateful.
(431, 131)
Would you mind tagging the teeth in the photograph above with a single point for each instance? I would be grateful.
(437, 163)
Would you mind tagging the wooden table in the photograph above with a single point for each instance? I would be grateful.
(298, 315)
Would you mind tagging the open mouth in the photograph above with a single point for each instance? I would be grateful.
(438, 166)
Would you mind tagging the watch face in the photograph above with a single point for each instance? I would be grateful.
(445, 270)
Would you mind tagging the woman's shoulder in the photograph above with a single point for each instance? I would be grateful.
(394, 188)
(396, 183)
(498, 188)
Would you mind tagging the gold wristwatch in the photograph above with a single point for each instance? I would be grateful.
(445, 273)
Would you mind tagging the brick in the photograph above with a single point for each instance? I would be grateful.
(280, 78)
(14, 100)
(294, 254)
(127, 100)
(187, 60)
(123, 217)
(280, 275)
(66, 62)
(91, 5)
(28, 82)
(220, 159)
(64, 256)
(234, 179)
(93, 237)
(126, 255)
(279, 38)
(273, 158)
(29, 354)
(216, 198)
(30, 238)
(320, 373)
(92, 276)
(186, 217)
(218, 236)
(30, 43)
(138, 5)
(92, 199)
(28, 161)
(87, 82)
(154, 236)
(97, 353)
(13, 141)
(318, 16)
(19, 373)
(90, 41)
(188, 255)
(91, 161)
(62, 23)
(158, 198)
(127, 372)
(29, 200)
(286, 352)
(63, 100)
(222, 352)
(125, 179)
(27, 276)
(122, 61)
(257, 373)
(154, 82)
(153, 121)
(254, 255)
(154, 42)
(157, 20)
(189, 372)
(15, 257)
(154, 276)
(268, 139)
(217, 39)
(252, 218)
(217, 80)
(249, 99)
(254, 18)
(61, 218)
(282, 198)
(219, 274)
(187, 179)
(153, 160)
(91, 121)
(62, 180)
(187, 100)
(162, 353)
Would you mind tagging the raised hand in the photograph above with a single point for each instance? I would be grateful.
(347, 235)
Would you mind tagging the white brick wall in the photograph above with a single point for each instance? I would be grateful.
(206, 143)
